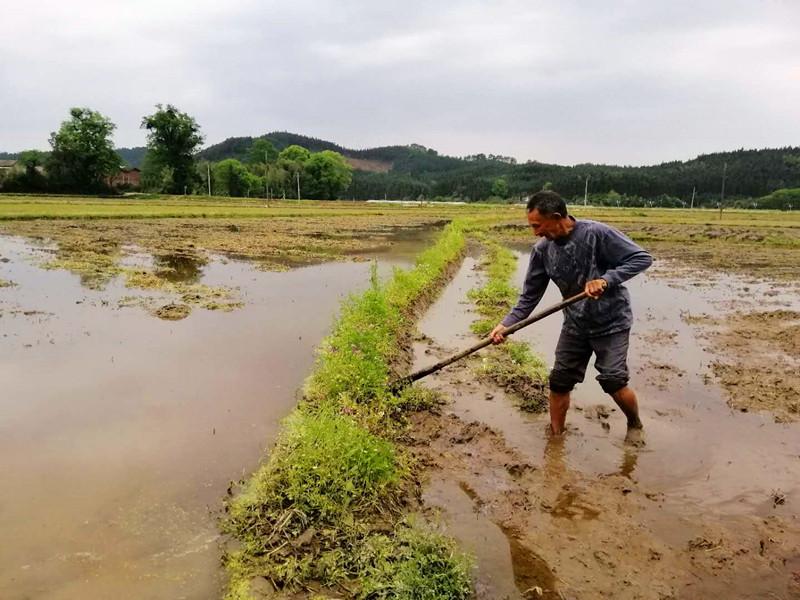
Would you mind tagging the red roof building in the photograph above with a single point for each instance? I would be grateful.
(130, 178)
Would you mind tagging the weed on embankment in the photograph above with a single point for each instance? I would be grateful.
(327, 509)
(511, 365)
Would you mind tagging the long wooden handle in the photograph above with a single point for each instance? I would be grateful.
(485, 342)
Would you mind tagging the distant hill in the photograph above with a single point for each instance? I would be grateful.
(379, 160)
(413, 170)
(133, 157)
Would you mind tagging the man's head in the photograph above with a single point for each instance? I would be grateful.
(547, 215)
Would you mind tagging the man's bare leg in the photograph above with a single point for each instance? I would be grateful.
(559, 405)
(628, 404)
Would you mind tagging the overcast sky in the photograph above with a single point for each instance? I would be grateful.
(625, 82)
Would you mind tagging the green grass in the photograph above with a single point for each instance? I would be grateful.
(511, 365)
(494, 299)
(20, 207)
(325, 510)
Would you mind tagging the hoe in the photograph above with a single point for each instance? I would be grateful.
(409, 379)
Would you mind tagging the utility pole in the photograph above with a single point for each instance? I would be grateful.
(694, 191)
(266, 177)
(722, 193)
(298, 185)
(586, 190)
(208, 167)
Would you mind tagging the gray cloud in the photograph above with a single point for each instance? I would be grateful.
(573, 81)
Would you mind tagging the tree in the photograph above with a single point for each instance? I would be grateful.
(27, 175)
(83, 154)
(276, 178)
(293, 159)
(500, 187)
(261, 152)
(231, 178)
(327, 174)
(261, 158)
(172, 140)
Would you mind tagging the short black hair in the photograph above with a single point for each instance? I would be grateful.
(547, 202)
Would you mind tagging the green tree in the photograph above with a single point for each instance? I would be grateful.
(500, 187)
(83, 154)
(27, 175)
(231, 178)
(261, 158)
(327, 175)
(293, 160)
(172, 141)
(276, 179)
(202, 170)
(261, 152)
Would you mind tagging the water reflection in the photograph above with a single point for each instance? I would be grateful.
(179, 268)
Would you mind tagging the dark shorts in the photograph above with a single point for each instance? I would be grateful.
(572, 356)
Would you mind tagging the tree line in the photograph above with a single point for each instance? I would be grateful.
(82, 160)
(272, 166)
(420, 173)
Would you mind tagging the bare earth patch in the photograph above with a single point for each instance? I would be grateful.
(758, 360)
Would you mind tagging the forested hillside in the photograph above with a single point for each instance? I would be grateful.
(412, 171)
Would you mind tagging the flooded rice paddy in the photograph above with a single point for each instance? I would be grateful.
(707, 505)
(120, 432)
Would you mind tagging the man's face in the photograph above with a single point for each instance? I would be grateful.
(544, 226)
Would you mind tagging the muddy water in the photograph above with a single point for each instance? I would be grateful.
(704, 461)
(120, 432)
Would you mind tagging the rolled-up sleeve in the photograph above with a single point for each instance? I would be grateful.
(624, 257)
(532, 291)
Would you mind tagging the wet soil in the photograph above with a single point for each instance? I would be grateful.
(758, 360)
(703, 505)
(754, 250)
(120, 432)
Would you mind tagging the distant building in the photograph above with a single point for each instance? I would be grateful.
(129, 178)
(7, 165)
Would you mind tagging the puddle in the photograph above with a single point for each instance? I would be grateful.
(121, 432)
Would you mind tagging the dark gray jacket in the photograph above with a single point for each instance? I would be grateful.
(591, 251)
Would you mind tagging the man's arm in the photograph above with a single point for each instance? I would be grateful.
(628, 257)
(532, 291)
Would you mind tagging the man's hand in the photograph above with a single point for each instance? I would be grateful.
(497, 334)
(595, 288)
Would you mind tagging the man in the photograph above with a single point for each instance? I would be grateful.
(582, 255)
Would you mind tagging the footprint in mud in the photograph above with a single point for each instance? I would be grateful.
(634, 437)
(532, 575)
(570, 506)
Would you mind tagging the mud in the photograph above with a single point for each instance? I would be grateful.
(704, 506)
(758, 359)
(763, 250)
